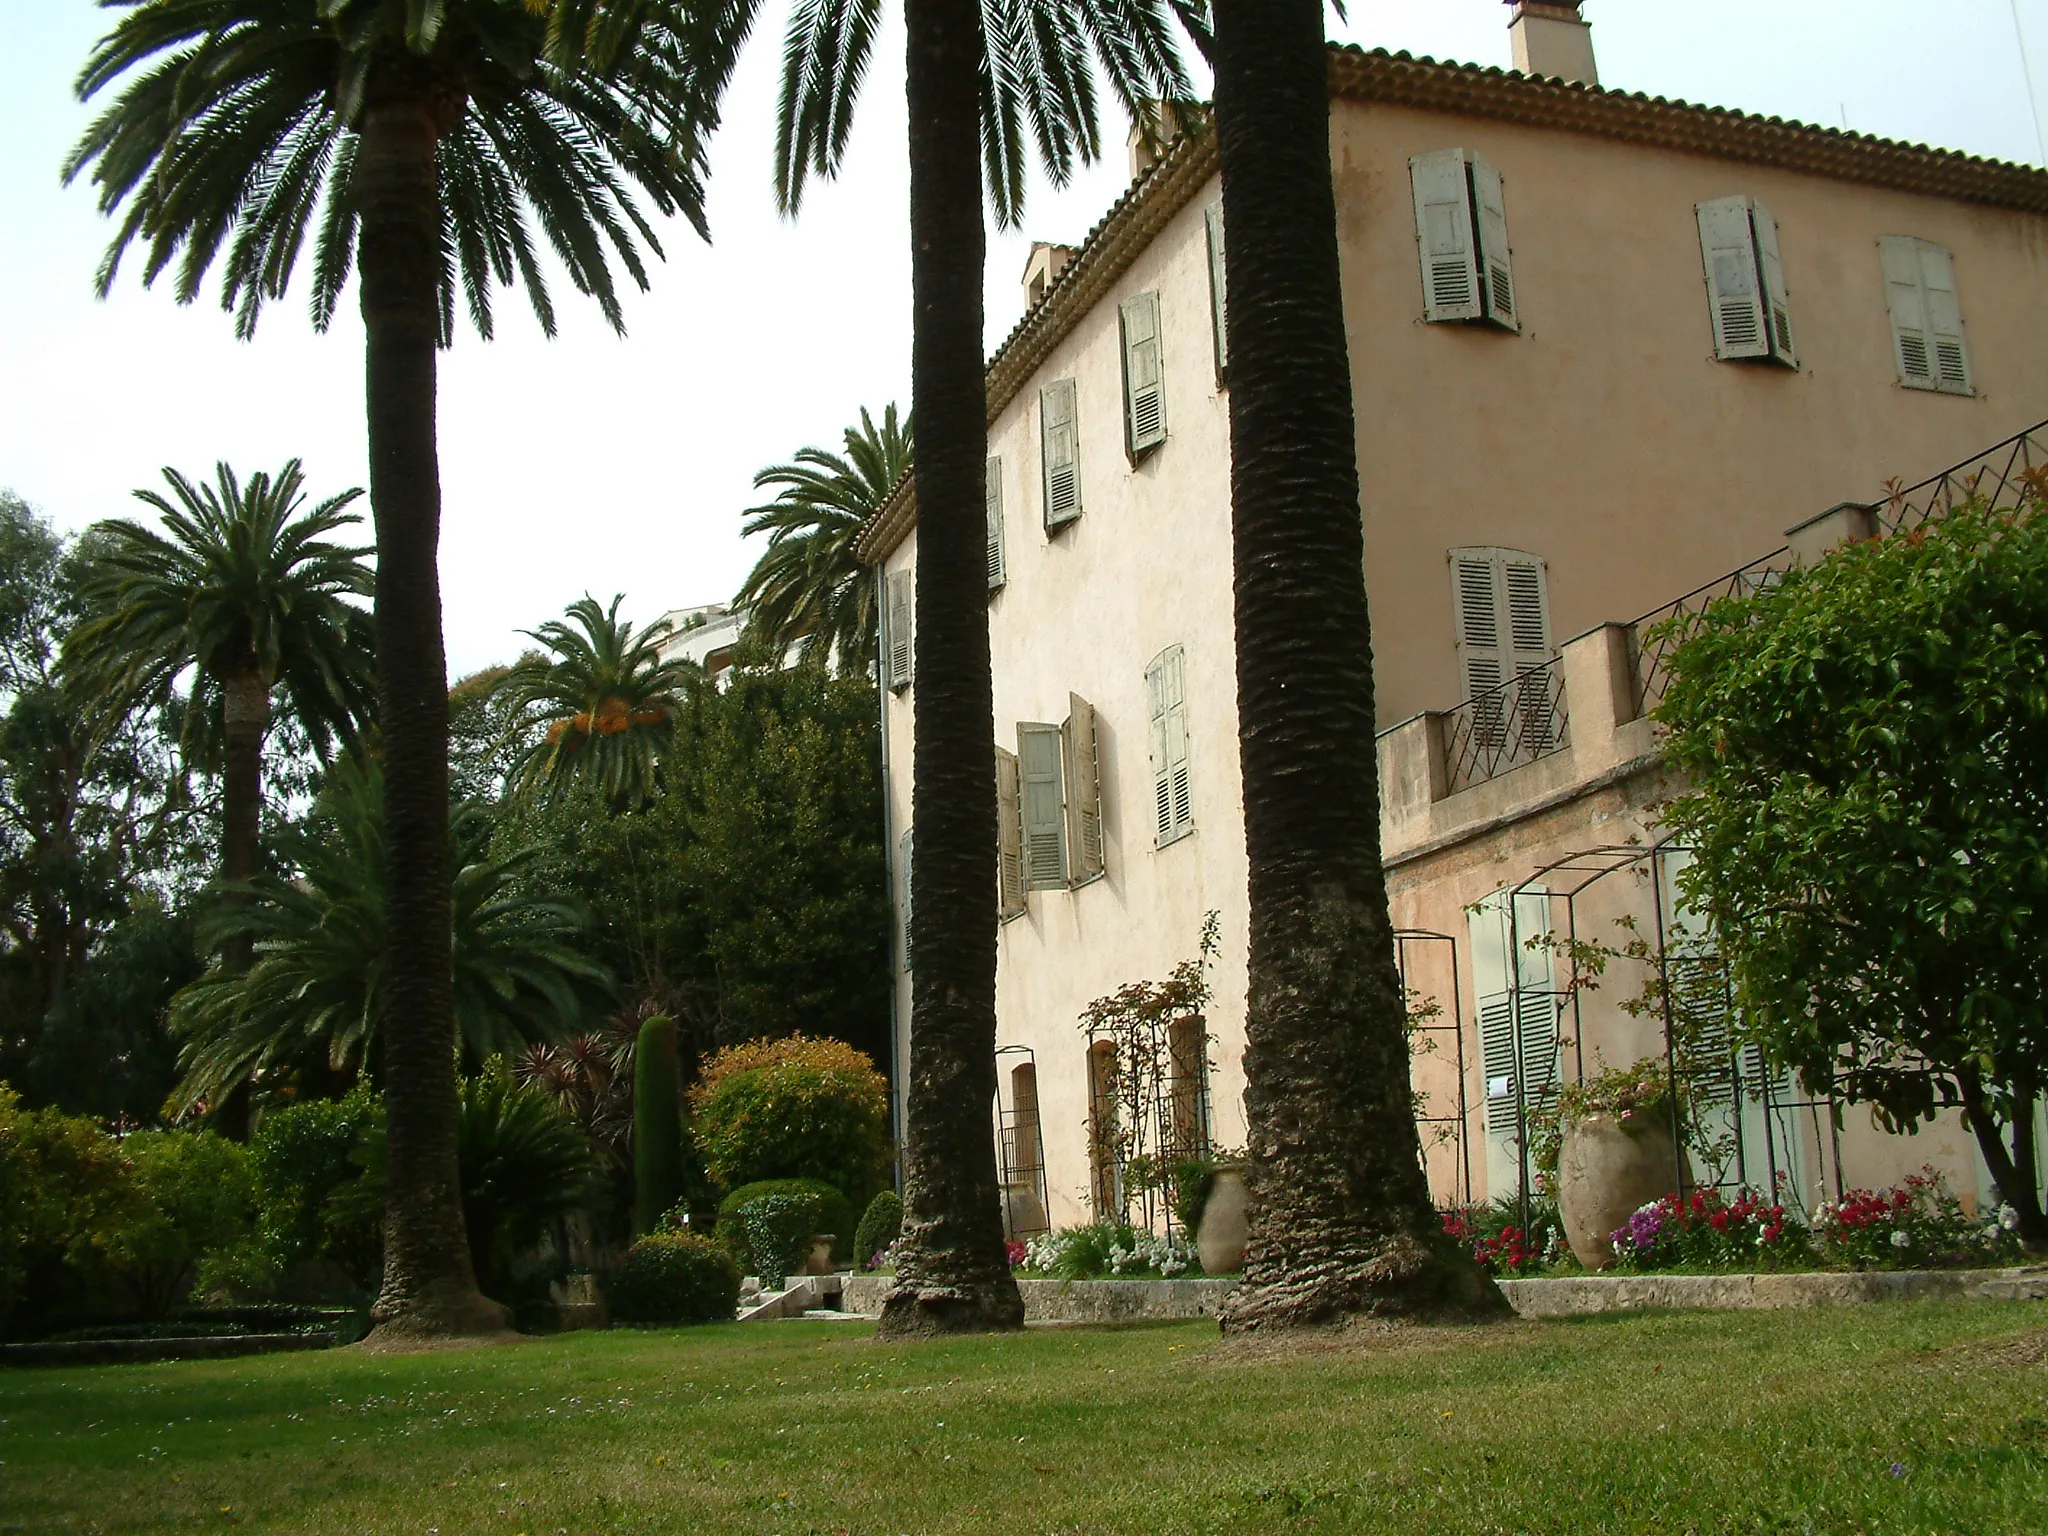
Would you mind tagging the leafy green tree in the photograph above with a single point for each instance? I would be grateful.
(809, 592)
(607, 701)
(196, 1196)
(984, 81)
(103, 1050)
(65, 1193)
(310, 1007)
(1867, 743)
(415, 143)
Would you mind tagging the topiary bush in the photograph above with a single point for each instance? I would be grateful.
(778, 1230)
(672, 1277)
(657, 1124)
(880, 1225)
(829, 1211)
(795, 1108)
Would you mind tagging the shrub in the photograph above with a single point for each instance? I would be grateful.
(795, 1108)
(1919, 1224)
(65, 1193)
(196, 1195)
(657, 1124)
(828, 1211)
(1706, 1230)
(671, 1277)
(1500, 1242)
(1109, 1249)
(778, 1230)
(880, 1225)
(300, 1159)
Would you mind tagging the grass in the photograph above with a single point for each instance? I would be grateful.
(1929, 1417)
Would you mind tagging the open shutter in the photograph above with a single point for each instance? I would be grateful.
(993, 492)
(1496, 267)
(1009, 835)
(1734, 288)
(1172, 793)
(1045, 840)
(903, 854)
(899, 621)
(1927, 318)
(1060, 448)
(1218, 291)
(1084, 790)
(1772, 267)
(1144, 390)
(1443, 232)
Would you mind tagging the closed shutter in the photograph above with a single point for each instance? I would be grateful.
(1734, 288)
(1772, 265)
(1443, 232)
(1172, 794)
(903, 856)
(1502, 607)
(1218, 290)
(1084, 790)
(1144, 388)
(898, 621)
(1045, 840)
(1496, 267)
(1009, 835)
(1927, 317)
(992, 490)
(1516, 995)
(1060, 447)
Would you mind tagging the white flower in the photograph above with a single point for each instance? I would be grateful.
(2008, 1218)
(1902, 1240)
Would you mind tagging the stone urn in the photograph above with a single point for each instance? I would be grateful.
(820, 1261)
(1607, 1169)
(1219, 1239)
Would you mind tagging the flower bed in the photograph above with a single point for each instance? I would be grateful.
(1107, 1250)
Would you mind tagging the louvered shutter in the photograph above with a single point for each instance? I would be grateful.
(1218, 290)
(1945, 319)
(1060, 447)
(1045, 839)
(1172, 792)
(1927, 318)
(1482, 658)
(1515, 990)
(1528, 637)
(1144, 387)
(898, 631)
(1496, 266)
(992, 490)
(904, 853)
(1443, 233)
(1772, 265)
(1734, 288)
(1084, 790)
(1009, 835)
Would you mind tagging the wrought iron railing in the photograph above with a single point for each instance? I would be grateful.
(2007, 474)
(1655, 636)
(1523, 719)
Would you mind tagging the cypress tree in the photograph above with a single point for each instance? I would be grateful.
(657, 1124)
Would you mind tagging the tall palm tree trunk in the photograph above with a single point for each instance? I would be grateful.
(245, 715)
(429, 1286)
(954, 1276)
(1342, 1220)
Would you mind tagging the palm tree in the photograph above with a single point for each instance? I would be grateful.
(417, 142)
(1341, 1213)
(253, 596)
(308, 1009)
(608, 696)
(983, 76)
(808, 589)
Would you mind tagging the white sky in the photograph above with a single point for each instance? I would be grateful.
(593, 463)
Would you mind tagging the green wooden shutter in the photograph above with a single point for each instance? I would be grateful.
(1009, 835)
(1945, 320)
(1772, 267)
(1144, 387)
(1218, 290)
(1045, 834)
(1059, 444)
(1443, 234)
(1084, 790)
(1515, 990)
(903, 854)
(899, 622)
(1482, 655)
(1497, 271)
(1927, 317)
(1734, 287)
(993, 493)
(1172, 793)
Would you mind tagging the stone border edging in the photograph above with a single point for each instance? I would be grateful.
(1075, 1301)
(140, 1351)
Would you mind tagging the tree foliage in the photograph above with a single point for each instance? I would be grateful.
(793, 1109)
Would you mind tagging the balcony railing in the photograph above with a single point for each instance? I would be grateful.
(1654, 638)
(2009, 474)
(1523, 719)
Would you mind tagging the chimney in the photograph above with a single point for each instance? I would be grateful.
(1164, 131)
(1552, 40)
(1047, 262)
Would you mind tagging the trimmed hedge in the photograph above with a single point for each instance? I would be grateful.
(832, 1212)
(880, 1225)
(671, 1277)
(793, 1109)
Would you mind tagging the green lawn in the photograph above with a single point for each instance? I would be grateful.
(1925, 1417)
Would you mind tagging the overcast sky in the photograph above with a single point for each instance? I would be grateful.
(592, 463)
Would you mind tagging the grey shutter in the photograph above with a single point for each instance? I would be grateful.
(1059, 441)
(1172, 793)
(1734, 288)
(1482, 657)
(1945, 320)
(1084, 790)
(1009, 835)
(1144, 387)
(1773, 268)
(1443, 234)
(1045, 833)
(992, 490)
(1218, 290)
(1927, 318)
(1496, 266)
(904, 853)
(1518, 1035)
(899, 622)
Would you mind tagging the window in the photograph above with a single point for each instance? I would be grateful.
(1084, 790)
(1105, 1161)
(1927, 318)
(1144, 388)
(897, 620)
(993, 493)
(1187, 1049)
(1503, 617)
(1461, 227)
(1009, 836)
(1516, 995)
(1745, 282)
(1166, 690)
(1059, 444)
(1217, 291)
(903, 855)
(1039, 759)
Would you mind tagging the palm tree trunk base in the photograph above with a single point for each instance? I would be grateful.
(1398, 1277)
(914, 1311)
(442, 1314)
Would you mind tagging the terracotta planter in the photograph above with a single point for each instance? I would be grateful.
(820, 1261)
(1606, 1170)
(1219, 1240)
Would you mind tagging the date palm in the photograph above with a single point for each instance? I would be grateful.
(422, 145)
(607, 699)
(1341, 1213)
(808, 590)
(986, 80)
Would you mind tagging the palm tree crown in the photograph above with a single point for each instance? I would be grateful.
(808, 589)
